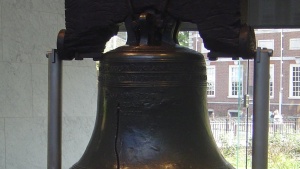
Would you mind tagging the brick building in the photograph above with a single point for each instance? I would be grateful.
(229, 80)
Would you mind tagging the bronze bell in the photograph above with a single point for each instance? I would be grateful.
(152, 107)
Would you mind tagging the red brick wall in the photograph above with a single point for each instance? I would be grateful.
(290, 107)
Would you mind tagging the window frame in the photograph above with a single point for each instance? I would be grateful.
(213, 80)
(291, 91)
(266, 40)
(297, 41)
(239, 81)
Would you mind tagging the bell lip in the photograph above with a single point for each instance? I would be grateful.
(76, 166)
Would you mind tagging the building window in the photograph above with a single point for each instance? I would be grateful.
(235, 80)
(211, 76)
(203, 49)
(210, 112)
(272, 80)
(295, 44)
(269, 44)
(232, 113)
(295, 80)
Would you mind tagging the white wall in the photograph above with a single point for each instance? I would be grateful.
(28, 28)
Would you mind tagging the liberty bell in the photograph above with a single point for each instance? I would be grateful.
(152, 107)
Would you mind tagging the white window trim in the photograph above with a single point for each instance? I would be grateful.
(272, 68)
(266, 40)
(291, 82)
(214, 80)
(212, 110)
(296, 40)
(230, 80)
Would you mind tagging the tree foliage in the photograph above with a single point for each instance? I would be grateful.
(183, 38)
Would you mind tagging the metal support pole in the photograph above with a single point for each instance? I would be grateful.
(54, 110)
(261, 109)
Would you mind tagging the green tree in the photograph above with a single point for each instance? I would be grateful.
(183, 38)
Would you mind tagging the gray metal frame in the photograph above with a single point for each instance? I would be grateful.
(54, 110)
(261, 109)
